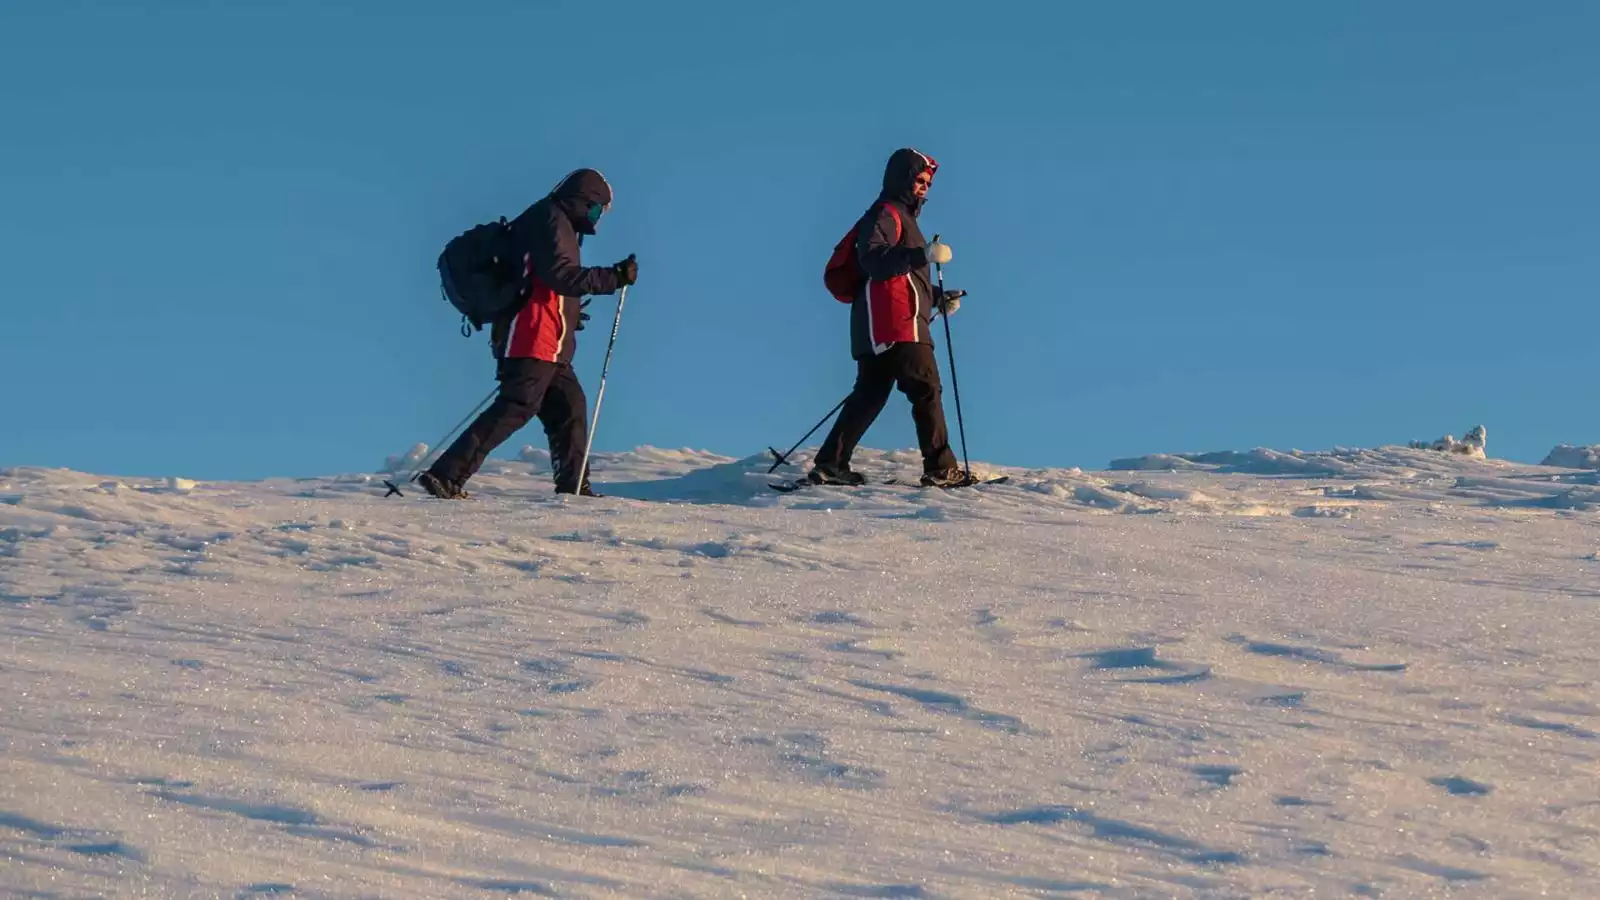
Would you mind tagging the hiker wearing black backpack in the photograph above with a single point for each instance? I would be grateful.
(881, 269)
(535, 333)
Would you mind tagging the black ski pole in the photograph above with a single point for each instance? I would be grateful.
(781, 458)
(417, 469)
(955, 386)
(616, 323)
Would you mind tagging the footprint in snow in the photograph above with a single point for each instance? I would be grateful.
(1462, 787)
(1145, 658)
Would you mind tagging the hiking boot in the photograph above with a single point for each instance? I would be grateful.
(947, 478)
(584, 490)
(824, 473)
(438, 487)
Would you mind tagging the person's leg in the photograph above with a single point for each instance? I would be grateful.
(874, 382)
(917, 376)
(564, 415)
(522, 386)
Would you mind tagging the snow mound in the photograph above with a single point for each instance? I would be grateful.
(1337, 462)
(1475, 444)
(1260, 461)
(1566, 456)
(401, 463)
(1361, 478)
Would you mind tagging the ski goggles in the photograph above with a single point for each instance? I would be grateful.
(596, 210)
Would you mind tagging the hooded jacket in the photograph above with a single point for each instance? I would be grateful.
(896, 304)
(549, 235)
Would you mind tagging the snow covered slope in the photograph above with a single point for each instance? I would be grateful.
(1245, 674)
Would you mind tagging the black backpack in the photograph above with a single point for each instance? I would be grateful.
(479, 277)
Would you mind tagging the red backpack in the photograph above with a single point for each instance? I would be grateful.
(843, 276)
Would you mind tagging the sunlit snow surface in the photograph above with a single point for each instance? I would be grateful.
(1365, 673)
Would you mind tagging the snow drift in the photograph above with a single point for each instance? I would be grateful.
(1570, 457)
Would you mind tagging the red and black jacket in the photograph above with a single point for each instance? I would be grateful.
(549, 234)
(896, 304)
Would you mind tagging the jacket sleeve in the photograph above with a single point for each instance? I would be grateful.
(879, 251)
(553, 254)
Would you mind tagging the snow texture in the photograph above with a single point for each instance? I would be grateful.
(1567, 456)
(1262, 461)
(1352, 673)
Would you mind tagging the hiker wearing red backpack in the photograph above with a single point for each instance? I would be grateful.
(881, 269)
(535, 339)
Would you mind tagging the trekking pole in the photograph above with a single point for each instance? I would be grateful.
(616, 323)
(955, 386)
(781, 458)
(417, 469)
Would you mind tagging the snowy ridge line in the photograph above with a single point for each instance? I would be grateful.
(691, 476)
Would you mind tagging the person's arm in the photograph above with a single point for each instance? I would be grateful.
(553, 255)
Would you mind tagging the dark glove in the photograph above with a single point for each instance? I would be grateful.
(583, 316)
(949, 301)
(627, 271)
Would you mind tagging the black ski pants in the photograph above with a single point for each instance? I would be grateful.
(528, 388)
(914, 369)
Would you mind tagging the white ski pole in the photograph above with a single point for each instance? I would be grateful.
(616, 323)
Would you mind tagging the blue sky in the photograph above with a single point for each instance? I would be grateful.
(1183, 226)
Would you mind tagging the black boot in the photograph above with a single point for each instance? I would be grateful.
(441, 488)
(584, 490)
(826, 473)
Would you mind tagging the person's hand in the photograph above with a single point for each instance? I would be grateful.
(949, 301)
(627, 271)
(938, 253)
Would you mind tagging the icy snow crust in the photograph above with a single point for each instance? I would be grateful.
(1355, 673)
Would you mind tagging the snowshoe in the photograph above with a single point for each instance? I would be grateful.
(948, 478)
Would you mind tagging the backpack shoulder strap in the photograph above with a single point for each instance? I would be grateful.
(899, 227)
